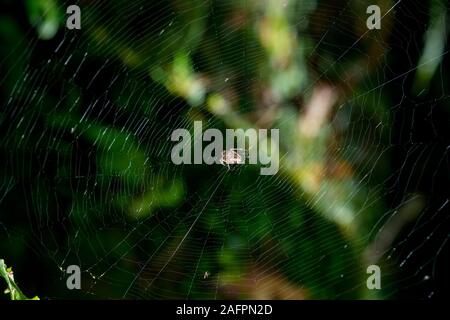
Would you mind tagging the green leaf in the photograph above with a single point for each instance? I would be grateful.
(13, 289)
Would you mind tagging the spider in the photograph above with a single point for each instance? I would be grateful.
(232, 156)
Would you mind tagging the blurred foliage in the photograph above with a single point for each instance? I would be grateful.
(45, 17)
(85, 142)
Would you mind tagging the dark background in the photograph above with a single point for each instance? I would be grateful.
(47, 220)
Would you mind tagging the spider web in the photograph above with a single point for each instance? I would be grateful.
(86, 128)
